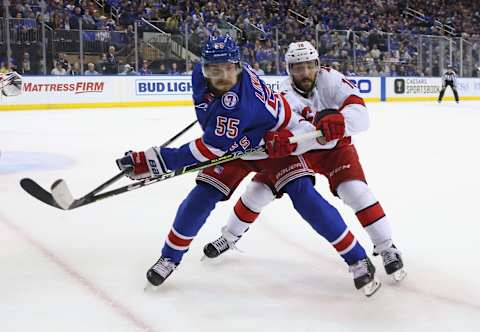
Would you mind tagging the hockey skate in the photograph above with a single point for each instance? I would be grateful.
(226, 241)
(364, 276)
(159, 272)
(392, 261)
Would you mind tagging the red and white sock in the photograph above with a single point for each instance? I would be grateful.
(368, 210)
(248, 207)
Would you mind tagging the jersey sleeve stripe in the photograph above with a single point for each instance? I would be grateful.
(202, 151)
(352, 100)
(284, 114)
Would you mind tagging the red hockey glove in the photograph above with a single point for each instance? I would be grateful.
(277, 143)
(145, 164)
(331, 122)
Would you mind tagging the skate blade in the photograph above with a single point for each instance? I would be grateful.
(399, 275)
(370, 288)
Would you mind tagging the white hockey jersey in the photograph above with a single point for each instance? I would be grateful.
(333, 90)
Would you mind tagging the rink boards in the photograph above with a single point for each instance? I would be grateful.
(60, 92)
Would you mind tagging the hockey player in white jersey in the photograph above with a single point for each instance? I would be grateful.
(333, 104)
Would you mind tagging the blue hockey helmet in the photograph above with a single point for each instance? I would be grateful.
(220, 49)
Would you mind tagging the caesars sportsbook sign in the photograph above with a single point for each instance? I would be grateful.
(426, 88)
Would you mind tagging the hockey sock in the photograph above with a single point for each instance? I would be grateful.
(248, 207)
(191, 215)
(324, 219)
(359, 197)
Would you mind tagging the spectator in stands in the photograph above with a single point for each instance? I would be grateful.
(111, 63)
(57, 21)
(26, 66)
(75, 70)
(101, 63)
(128, 40)
(144, 70)
(336, 65)
(188, 69)
(366, 26)
(91, 70)
(128, 70)
(174, 69)
(257, 69)
(375, 53)
(269, 70)
(75, 18)
(3, 68)
(162, 69)
(172, 23)
(62, 59)
(89, 20)
(101, 22)
(58, 70)
(350, 71)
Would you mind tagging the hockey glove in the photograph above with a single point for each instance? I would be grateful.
(277, 143)
(146, 164)
(331, 122)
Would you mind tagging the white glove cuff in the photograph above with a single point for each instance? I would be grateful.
(155, 162)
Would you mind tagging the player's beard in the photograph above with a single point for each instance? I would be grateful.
(305, 84)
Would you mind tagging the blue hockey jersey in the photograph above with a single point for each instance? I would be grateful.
(236, 120)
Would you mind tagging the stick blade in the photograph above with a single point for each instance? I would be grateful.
(35, 190)
(62, 195)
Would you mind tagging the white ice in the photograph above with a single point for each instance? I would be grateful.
(84, 270)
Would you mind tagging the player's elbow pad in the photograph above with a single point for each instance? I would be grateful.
(356, 119)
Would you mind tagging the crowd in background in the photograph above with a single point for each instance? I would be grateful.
(365, 26)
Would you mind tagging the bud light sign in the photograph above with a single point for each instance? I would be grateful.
(164, 86)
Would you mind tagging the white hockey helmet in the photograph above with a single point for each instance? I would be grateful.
(300, 52)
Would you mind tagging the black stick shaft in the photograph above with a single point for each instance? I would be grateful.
(167, 143)
(125, 171)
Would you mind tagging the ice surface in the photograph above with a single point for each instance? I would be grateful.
(84, 270)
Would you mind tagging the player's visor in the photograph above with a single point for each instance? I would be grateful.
(221, 70)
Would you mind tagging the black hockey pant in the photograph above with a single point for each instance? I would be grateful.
(442, 92)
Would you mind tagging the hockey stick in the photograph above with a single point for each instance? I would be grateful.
(63, 199)
(184, 130)
(43, 195)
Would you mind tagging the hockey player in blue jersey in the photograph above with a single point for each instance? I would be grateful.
(236, 111)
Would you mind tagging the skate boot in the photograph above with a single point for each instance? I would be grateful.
(159, 272)
(226, 241)
(392, 261)
(364, 276)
